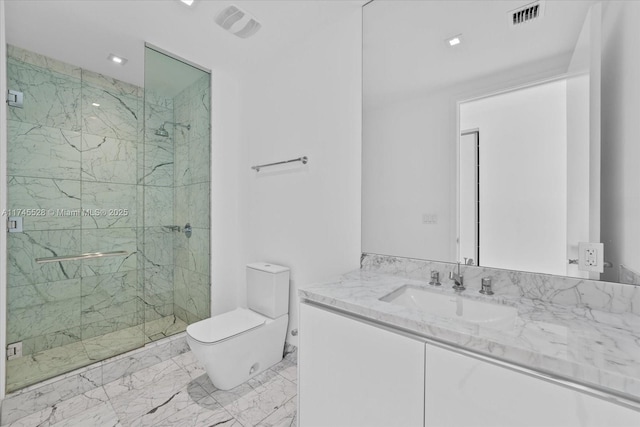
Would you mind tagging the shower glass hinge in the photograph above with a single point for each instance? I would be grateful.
(14, 224)
(14, 350)
(15, 98)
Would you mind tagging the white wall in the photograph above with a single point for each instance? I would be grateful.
(409, 171)
(226, 226)
(306, 101)
(3, 197)
(523, 177)
(620, 133)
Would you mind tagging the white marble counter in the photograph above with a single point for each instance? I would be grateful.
(582, 344)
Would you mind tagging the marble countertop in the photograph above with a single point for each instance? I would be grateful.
(583, 345)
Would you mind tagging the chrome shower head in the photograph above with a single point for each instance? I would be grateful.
(162, 131)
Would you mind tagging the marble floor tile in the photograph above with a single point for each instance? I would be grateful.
(251, 405)
(284, 416)
(100, 415)
(176, 392)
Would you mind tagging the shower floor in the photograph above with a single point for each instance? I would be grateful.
(37, 367)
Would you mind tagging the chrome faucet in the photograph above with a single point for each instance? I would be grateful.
(458, 280)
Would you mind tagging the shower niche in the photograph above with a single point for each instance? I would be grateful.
(99, 166)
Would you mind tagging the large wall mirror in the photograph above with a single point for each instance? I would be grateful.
(504, 134)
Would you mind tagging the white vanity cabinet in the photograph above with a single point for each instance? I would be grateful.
(355, 374)
(462, 391)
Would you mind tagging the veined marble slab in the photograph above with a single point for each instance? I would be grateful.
(582, 344)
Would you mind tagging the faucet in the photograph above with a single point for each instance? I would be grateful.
(458, 280)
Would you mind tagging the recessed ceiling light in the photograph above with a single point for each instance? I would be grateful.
(187, 2)
(117, 59)
(95, 104)
(455, 40)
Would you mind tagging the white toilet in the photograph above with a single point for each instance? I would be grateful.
(240, 344)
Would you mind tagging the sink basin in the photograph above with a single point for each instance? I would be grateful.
(483, 314)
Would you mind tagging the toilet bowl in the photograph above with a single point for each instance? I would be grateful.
(238, 345)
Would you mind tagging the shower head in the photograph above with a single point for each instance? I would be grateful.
(162, 131)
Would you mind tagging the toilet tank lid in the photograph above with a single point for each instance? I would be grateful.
(269, 268)
(226, 325)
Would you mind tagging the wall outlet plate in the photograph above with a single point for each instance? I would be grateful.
(591, 257)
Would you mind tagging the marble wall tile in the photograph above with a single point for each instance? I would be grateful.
(629, 276)
(43, 319)
(31, 295)
(182, 168)
(155, 116)
(111, 205)
(19, 55)
(182, 199)
(155, 312)
(39, 151)
(107, 345)
(199, 261)
(59, 200)
(116, 117)
(50, 98)
(191, 292)
(158, 164)
(113, 86)
(40, 343)
(158, 246)
(158, 206)
(108, 326)
(155, 97)
(106, 159)
(106, 240)
(109, 296)
(23, 248)
(199, 204)
(201, 109)
(200, 160)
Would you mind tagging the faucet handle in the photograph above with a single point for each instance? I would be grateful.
(486, 286)
(435, 278)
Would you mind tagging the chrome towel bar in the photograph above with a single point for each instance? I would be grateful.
(303, 159)
(88, 255)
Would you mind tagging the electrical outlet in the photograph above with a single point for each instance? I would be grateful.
(591, 257)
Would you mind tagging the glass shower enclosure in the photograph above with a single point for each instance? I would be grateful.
(108, 194)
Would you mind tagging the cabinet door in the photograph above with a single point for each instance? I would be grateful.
(462, 391)
(355, 374)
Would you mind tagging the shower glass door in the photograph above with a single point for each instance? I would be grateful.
(72, 188)
(176, 193)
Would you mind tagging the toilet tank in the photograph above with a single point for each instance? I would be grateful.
(268, 289)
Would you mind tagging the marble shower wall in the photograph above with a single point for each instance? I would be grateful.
(192, 184)
(73, 157)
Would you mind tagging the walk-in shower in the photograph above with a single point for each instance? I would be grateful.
(94, 168)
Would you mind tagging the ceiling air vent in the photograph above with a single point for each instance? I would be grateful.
(527, 13)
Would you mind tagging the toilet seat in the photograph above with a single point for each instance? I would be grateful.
(224, 326)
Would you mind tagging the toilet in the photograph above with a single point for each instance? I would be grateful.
(238, 345)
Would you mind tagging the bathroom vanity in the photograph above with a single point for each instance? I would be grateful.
(368, 357)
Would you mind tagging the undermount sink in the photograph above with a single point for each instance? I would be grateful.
(483, 314)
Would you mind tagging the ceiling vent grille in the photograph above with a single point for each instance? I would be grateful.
(527, 13)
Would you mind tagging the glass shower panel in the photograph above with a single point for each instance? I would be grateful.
(72, 180)
(176, 187)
